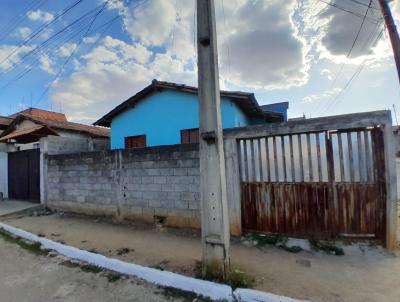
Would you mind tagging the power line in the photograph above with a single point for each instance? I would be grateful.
(73, 52)
(79, 43)
(18, 18)
(353, 77)
(359, 30)
(372, 20)
(362, 3)
(41, 45)
(350, 51)
(41, 29)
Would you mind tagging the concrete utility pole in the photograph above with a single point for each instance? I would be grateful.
(393, 34)
(214, 208)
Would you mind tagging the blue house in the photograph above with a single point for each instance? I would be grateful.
(166, 114)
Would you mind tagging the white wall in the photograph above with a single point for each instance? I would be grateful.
(3, 170)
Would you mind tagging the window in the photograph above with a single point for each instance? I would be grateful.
(190, 136)
(138, 141)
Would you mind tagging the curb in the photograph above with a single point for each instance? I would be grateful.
(204, 288)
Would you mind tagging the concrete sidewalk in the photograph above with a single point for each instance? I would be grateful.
(365, 273)
(16, 207)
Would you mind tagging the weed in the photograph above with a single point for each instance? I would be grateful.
(327, 247)
(263, 239)
(235, 278)
(88, 268)
(113, 277)
(32, 247)
(123, 251)
(177, 294)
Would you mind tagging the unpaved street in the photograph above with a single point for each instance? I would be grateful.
(27, 277)
(365, 274)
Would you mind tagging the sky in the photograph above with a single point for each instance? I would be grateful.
(84, 57)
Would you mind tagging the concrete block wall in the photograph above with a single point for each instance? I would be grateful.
(68, 145)
(159, 183)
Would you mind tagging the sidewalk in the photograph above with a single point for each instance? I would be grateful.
(363, 274)
(13, 207)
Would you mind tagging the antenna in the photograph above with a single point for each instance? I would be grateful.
(395, 114)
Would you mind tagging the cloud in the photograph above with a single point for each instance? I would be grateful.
(40, 16)
(90, 39)
(321, 96)
(23, 32)
(334, 31)
(327, 73)
(109, 74)
(6, 50)
(46, 64)
(66, 50)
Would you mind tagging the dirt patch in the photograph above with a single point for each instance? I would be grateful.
(364, 273)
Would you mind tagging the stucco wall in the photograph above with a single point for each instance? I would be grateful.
(164, 114)
(3, 170)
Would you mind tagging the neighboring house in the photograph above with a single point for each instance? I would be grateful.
(4, 123)
(166, 114)
(29, 126)
(32, 134)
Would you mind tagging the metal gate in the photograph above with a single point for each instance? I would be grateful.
(315, 184)
(24, 175)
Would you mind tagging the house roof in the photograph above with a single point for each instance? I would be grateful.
(244, 100)
(5, 121)
(45, 114)
(96, 132)
(29, 135)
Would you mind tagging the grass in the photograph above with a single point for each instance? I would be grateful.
(235, 278)
(34, 248)
(88, 268)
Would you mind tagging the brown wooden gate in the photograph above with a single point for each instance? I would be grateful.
(24, 175)
(319, 184)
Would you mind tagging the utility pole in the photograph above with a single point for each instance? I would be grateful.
(393, 34)
(214, 207)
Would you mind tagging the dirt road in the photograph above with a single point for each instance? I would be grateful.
(364, 274)
(26, 277)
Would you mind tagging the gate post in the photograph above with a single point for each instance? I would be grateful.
(233, 185)
(391, 185)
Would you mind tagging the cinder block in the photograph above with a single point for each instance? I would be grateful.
(180, 171)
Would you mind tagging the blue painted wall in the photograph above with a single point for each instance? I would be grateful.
(280, 108)
(164, 114)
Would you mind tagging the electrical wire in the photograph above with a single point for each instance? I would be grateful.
(41, 29)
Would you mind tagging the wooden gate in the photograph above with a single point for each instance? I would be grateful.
(24, 175)
(315, 184)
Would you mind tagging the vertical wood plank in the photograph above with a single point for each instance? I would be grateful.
(368, 163)
(351, 159)
(252, 161)
(246, 167)
(283, 158)
(341, 159)
(300, 158)
(268, 161)
(310, 165)
(360, 161)
(292, 158)
(275, 159)
(319, 157)
(260, 159)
